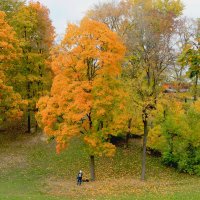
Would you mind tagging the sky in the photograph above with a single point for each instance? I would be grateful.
(65, 11)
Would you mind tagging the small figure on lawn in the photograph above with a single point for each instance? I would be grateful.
(79, 177)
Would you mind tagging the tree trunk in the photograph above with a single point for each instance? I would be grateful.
(144, 149)
(126, 141)
(92, 168)
(29, 122)
(128, 134)
(36, 127)
(195, 86)
(29, 112)
(185, 99)
(171, 145)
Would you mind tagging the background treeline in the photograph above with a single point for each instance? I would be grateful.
(129, 68)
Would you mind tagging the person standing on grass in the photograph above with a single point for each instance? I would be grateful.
(79, 177)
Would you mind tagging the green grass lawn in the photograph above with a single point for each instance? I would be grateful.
(30, 169)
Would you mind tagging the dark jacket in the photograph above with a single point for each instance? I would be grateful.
(79, 176)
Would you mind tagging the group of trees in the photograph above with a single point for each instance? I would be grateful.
(176, 135)
(108, 77)
(26, 38)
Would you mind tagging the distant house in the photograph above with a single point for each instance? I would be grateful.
(174, 88)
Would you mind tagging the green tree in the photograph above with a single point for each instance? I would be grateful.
(31, 76)
(176, 135)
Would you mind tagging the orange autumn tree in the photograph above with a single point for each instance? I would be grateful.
(10, 101)
(86, 91)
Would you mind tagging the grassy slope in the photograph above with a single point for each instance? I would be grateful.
(30, 169)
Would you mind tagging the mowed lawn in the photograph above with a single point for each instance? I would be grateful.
(30, 169)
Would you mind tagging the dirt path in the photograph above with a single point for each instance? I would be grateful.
(122, 186)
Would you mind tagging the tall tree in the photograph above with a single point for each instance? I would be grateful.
(32, 77)
(190, 57)
(150, 45)
(150, 27)
(10, 101)
(86, 89)
(185, 31)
